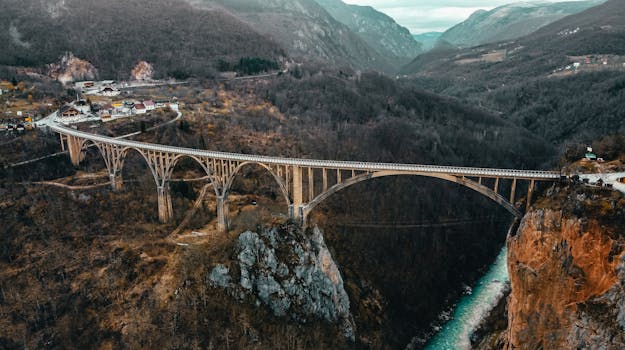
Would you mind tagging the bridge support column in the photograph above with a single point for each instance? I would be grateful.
(74, 146)
(117, 183)
(222, 214)
(530, 192)
(513, 192)
(165, 209)
(298, 196)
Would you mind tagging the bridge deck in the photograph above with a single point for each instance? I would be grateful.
(317, 163)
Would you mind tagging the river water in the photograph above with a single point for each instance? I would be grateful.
(473, 308)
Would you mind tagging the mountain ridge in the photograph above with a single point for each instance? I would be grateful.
(511, 21)
(114, 35)
(306, 30)
(377, 29)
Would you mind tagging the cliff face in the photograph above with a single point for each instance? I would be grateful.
(290, 272)
(567, 273)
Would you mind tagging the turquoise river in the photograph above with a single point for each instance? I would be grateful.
(473, 308)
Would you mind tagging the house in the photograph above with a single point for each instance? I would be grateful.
(589, 155)
(161, 103)
(106, 111)
(83, 106)
(139, 109)
(68, 111)
(149, 105)
(109, 91)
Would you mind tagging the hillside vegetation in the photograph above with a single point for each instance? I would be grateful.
(378, 30)
(532, 81)
(178, 39)
(512, 21)
(306, 30)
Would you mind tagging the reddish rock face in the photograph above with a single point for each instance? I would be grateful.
(71, 69)
(564, 268)
(142, 71)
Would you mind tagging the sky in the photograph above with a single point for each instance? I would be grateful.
(421, 16)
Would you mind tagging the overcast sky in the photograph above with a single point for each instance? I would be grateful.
(421, 16)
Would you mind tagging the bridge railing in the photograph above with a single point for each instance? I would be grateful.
(316, 163)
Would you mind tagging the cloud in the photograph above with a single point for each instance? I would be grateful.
(421, 16)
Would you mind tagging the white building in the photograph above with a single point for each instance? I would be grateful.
(149, 105)
(109, 91)
(140, 109)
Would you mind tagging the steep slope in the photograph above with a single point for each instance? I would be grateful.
(563, 82)
(567, 272)
(378, 30)
(511, 21)
(428, 40)
(305, 30)
(114, 35)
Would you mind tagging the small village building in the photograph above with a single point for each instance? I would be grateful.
(149, 105)
(589, 155)
(83, 106)
(68, 111)
(140, 108)
(84, 84)
(161, 103)
(109, 91)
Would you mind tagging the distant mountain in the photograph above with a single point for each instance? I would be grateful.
(511, 21)
(306, 30)
(564, 82)
(428, 40)
(378, 30)
(114, 35)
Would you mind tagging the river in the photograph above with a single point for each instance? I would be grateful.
(473, 308)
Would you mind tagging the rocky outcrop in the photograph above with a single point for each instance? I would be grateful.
(567, 273)
(71, 68)
(290, 272)
(142, 71)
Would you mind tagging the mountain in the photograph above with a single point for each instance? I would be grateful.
(428, 40)
(114, 35)
(305, 29)
(511, 21)
(565, 82)
(378, 30)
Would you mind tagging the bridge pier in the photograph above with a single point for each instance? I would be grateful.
(74, 147)
(165, 208)
(222, 214)
(117, 183)
(296, 206)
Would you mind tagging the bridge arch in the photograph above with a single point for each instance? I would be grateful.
(279, 181)
(485, 191)
(205, 167)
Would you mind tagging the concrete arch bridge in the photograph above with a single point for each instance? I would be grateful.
(304, 183)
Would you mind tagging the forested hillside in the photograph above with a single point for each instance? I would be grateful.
(178, 39)
(378, 30)
(563, 82)
(306, 30)
(511, 21)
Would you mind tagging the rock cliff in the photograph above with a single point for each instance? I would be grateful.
(567, 272)
(290, 272)
(142, 71)
(71, 68)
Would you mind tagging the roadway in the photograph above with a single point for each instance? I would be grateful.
(314, 163)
